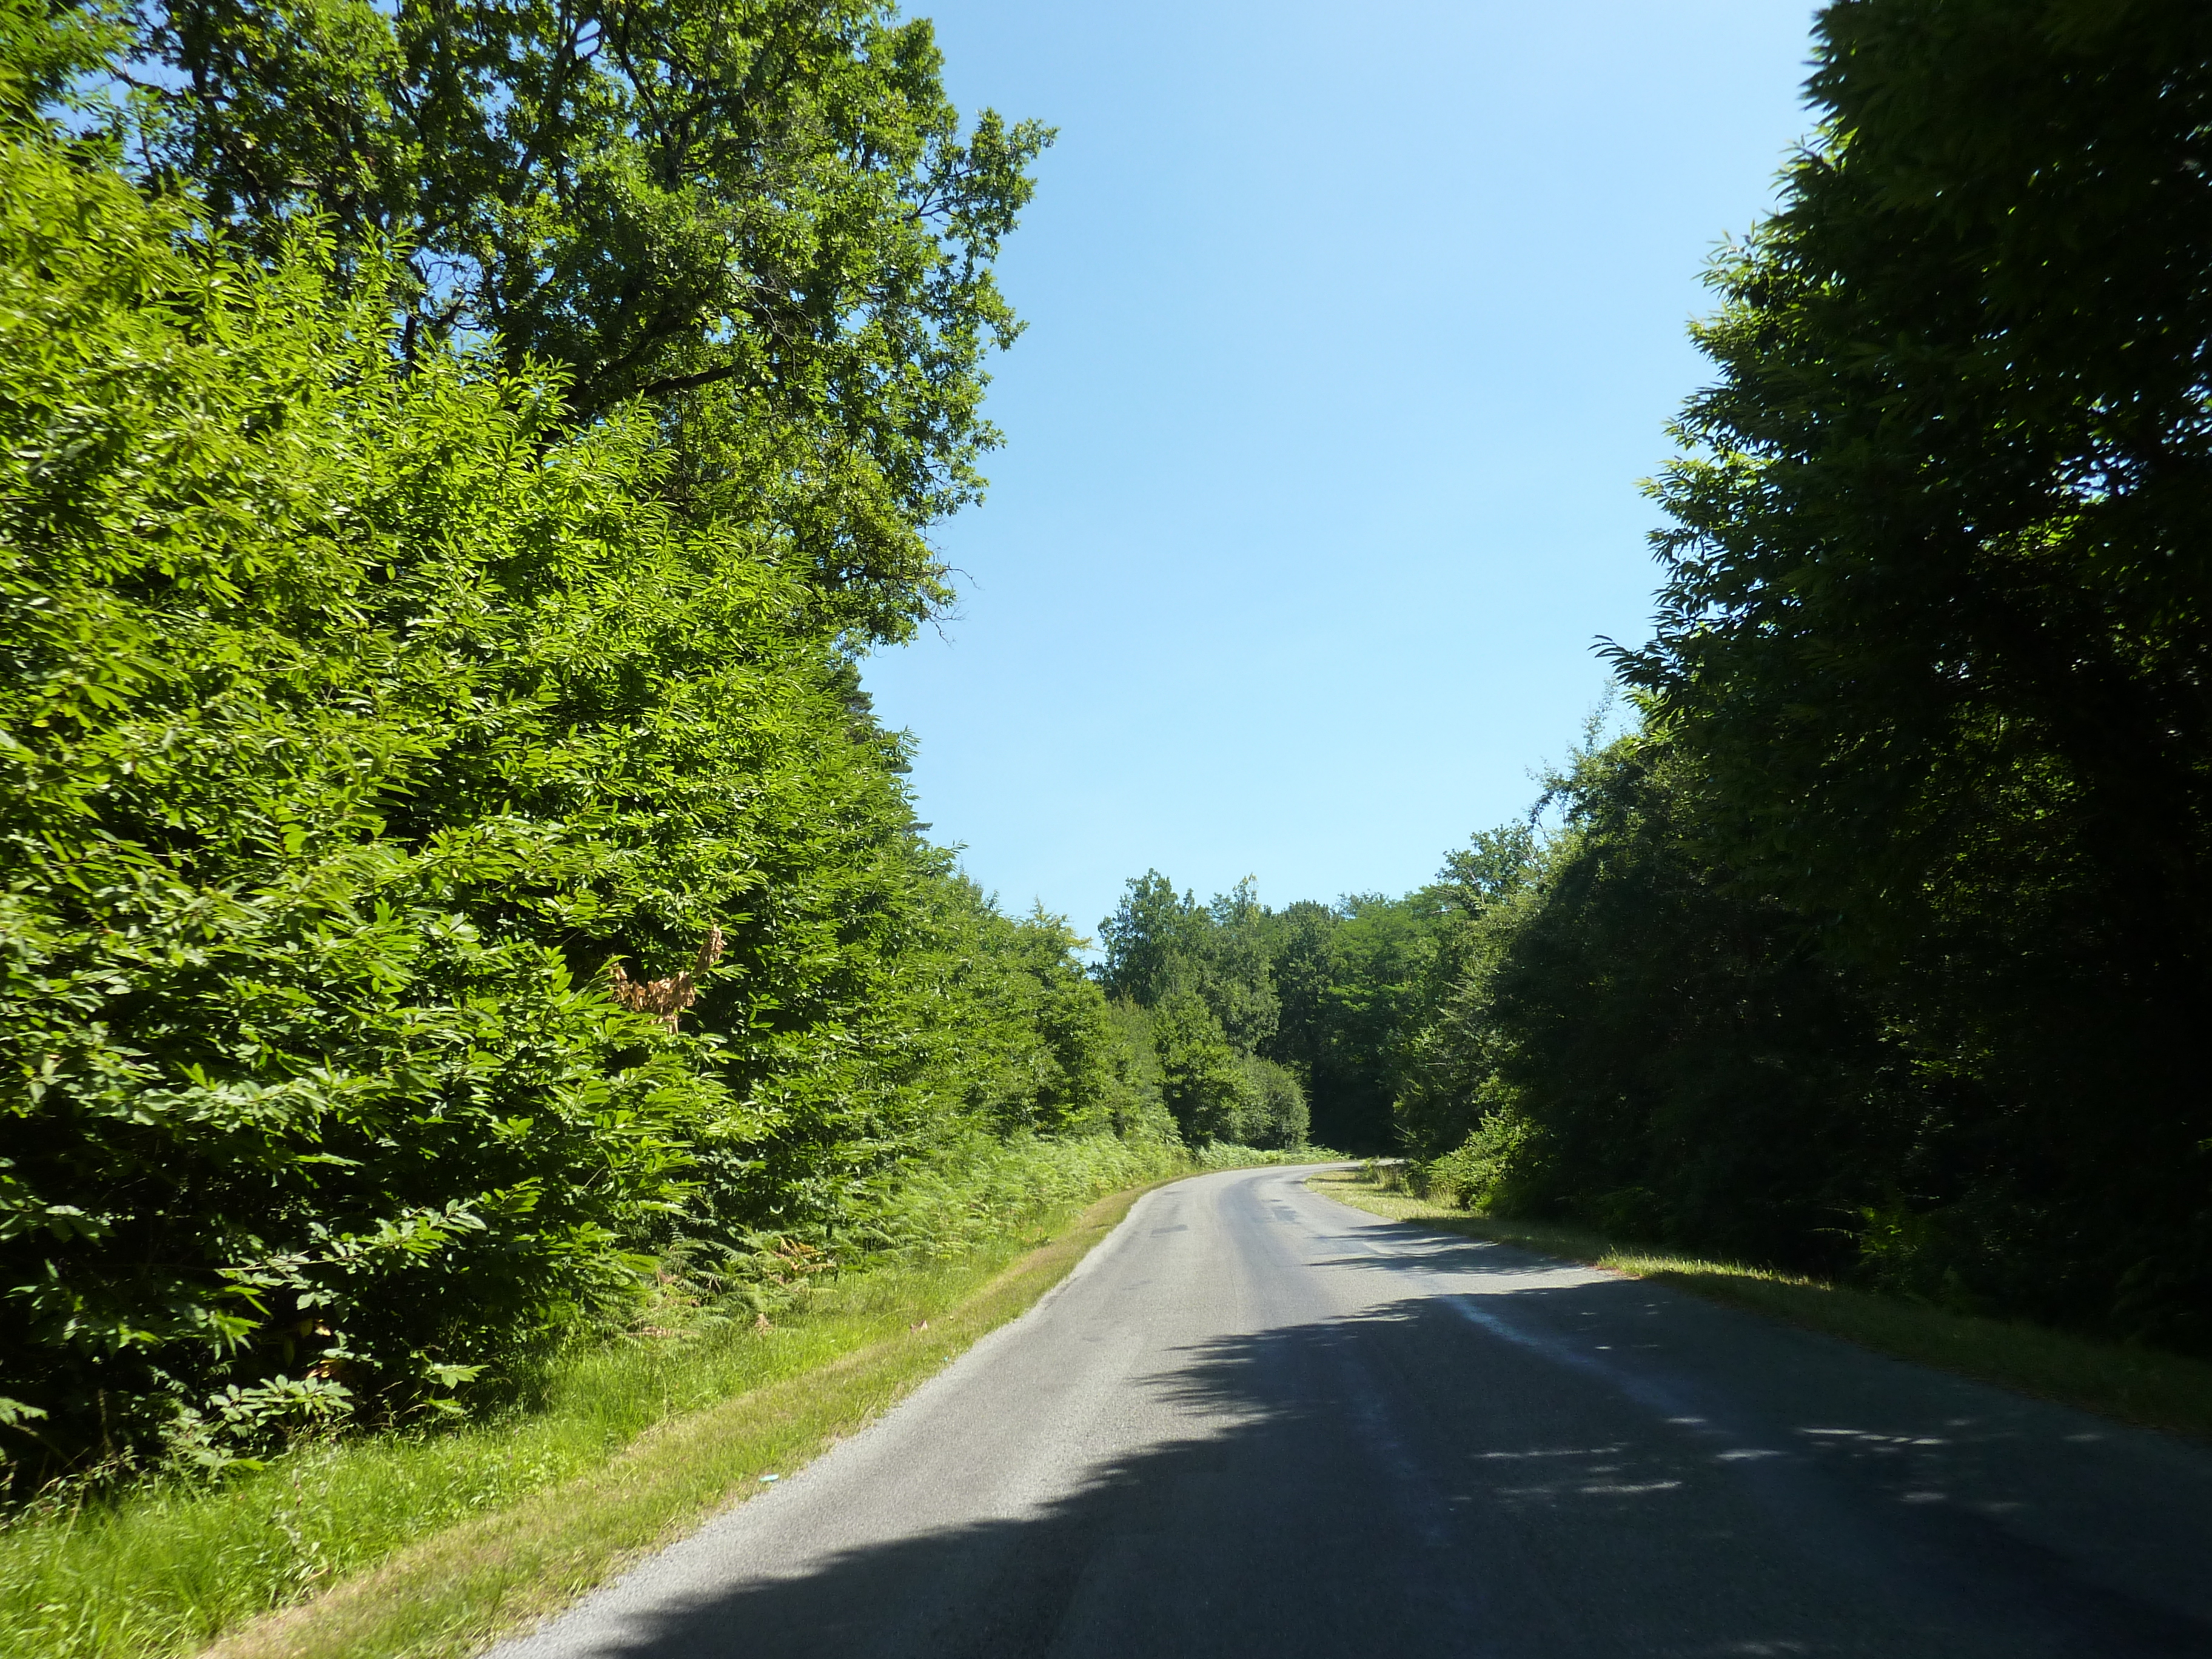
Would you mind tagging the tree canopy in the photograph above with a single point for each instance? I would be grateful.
(761, 217)
(1934, 624)
(1877, 945)
(453, 462)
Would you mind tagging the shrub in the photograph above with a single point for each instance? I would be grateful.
(353, 723)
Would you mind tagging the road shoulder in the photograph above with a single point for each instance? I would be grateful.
(2139, 1386)
(457, 1591)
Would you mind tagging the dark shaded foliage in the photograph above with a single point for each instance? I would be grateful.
(1671, 1055)
(1934, 627)
(1881, 948)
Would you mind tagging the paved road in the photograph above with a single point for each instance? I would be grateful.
(1256, 1422)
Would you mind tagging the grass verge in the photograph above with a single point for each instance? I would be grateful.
(428, 1547)
(2136, 1385)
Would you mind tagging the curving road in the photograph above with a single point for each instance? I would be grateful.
(1256, 1422)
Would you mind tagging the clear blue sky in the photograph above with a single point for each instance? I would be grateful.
(1352, 331)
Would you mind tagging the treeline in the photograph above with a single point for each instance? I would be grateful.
(454, 461)
(1282, 1028)
(1878, 946)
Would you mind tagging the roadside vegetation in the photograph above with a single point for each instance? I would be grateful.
(1869, 943)
(426, 1542)
(480, 1015)
(457, 465)
(2133, 1383)
(473, 992)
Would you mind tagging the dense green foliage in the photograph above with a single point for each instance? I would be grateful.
(1195, 984)
(455, 460)
(1637, 1042)
(177, 1562)
(1271, 1026)
(450, 864)
(1878, 946)
(758, 217)
(1935, 631)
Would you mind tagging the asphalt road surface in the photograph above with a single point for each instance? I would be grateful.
(1256, 1422)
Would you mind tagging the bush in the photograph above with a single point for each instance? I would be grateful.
(1272, 1106)
(353, 722)
(453, 875)
(1478, 1174)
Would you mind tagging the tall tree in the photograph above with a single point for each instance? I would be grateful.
(1154, 941)
(760, 217)
(1201, 977)
(447, 850)
(1357, 985)
(1936, 615)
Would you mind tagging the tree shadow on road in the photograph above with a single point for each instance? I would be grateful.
(1404, 1480)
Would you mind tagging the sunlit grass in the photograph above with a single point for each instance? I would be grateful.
(2136, 1385)
(1227, 1155)
(424, 1545)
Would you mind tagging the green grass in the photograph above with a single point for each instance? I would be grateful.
(380, 1546)
(2135, 1385)
(1227, 1155)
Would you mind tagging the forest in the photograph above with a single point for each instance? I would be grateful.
(456, 463)
(1874, 945)
(459, 461)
